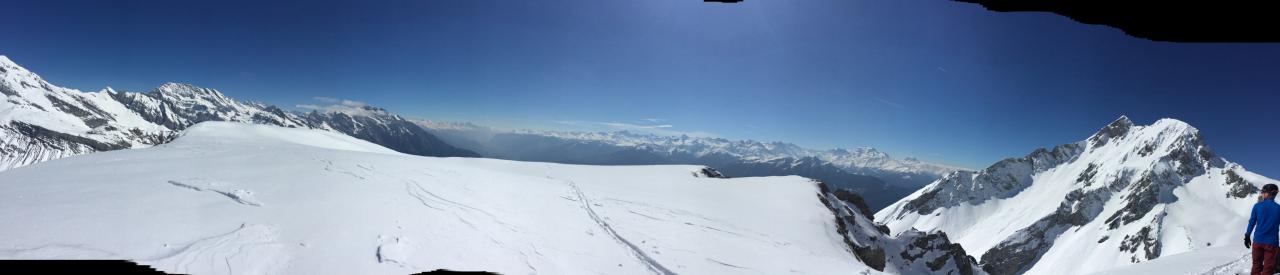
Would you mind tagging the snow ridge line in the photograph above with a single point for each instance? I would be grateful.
(652, 264)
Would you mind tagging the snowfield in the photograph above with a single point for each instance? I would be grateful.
(227, 198)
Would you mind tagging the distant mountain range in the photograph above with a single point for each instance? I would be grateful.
(40, 121)
(880, 178)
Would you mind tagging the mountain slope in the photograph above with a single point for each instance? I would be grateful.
(252, 199)
(384, 128)
(40, 121)
(1127, 194)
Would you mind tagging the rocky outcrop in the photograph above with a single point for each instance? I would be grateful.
(911, 252)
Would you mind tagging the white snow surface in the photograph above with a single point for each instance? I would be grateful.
(227, 198)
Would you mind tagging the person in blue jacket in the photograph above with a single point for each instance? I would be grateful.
(1266, 216)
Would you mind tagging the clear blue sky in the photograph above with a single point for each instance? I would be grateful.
(943, 81)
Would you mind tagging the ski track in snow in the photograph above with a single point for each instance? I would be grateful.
(59, 250)
(726, 264)
(433, 201)
(418, 192)
(678, 214)
(329, 167)
(652, 264)
(252, 249)
(240, 196)
(1232, 267)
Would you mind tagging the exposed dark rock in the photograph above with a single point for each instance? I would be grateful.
(920, 247)
(1116, 129)
(857, 201)
(67, 107)
(1240, 187)
(1143, 196)
(710, 173)
(1147, 239)
(872, 256)
(55, 139)
(6, 90)
(1086, 177)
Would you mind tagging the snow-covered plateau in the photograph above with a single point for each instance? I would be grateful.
(232, 198)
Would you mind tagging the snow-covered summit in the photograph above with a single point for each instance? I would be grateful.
(1126, 194)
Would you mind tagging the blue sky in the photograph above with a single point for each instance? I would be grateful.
(943, 81)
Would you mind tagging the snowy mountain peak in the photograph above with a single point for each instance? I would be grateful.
(6, 63)
(1129, 193)
(12, 72)
(867, 155)
(7, 66)
(1117, 128)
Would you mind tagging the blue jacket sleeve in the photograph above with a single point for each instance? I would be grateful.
(1253, 220)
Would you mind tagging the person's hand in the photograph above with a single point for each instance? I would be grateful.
(1247, 242)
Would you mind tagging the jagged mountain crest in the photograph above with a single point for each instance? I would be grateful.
(40, 121)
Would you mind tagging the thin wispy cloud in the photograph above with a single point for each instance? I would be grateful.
(657, 129)
(336, 105)
(344, 102)
(621, 125)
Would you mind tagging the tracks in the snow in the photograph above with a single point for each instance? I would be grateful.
(240, 196)
(652, 264)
